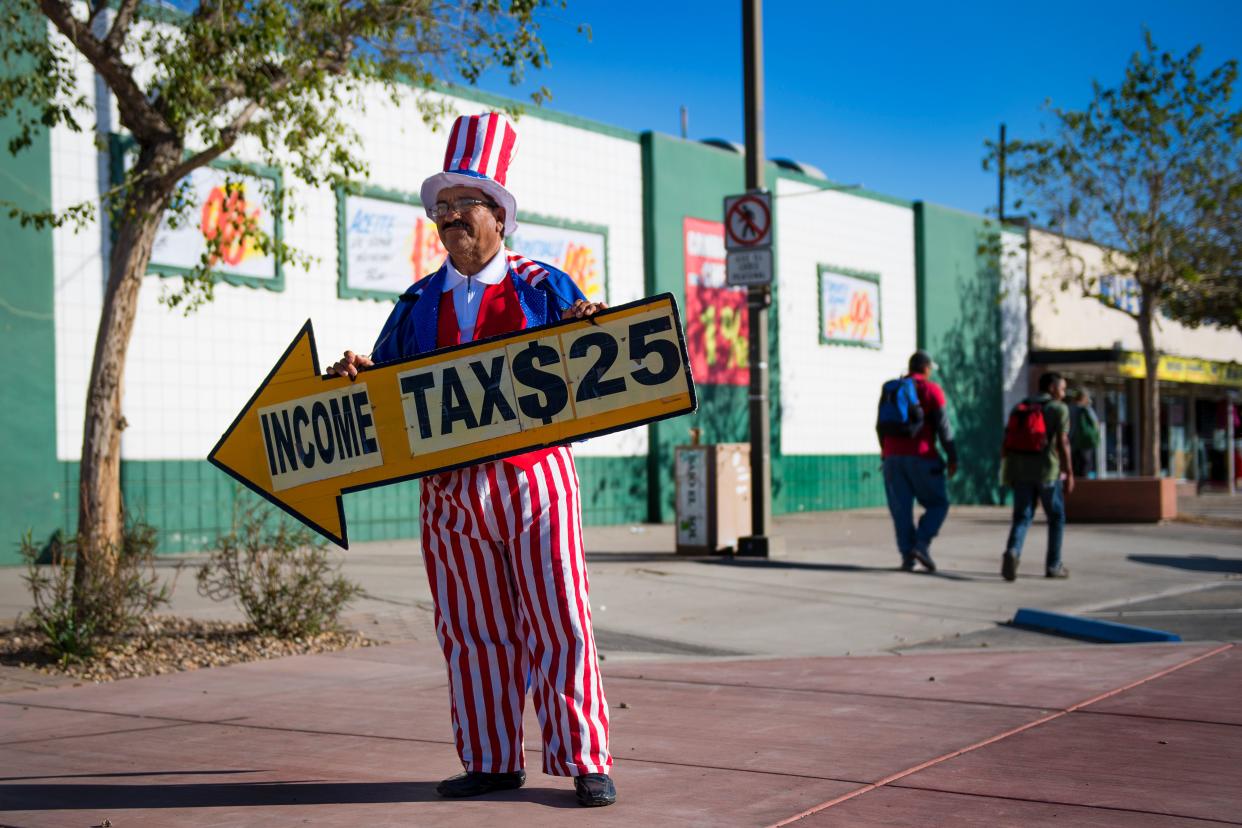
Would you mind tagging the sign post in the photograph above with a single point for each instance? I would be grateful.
(304, 439)
(759, 294)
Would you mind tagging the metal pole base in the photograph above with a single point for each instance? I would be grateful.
(761, 546)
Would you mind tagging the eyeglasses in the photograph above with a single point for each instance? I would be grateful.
(459, 206)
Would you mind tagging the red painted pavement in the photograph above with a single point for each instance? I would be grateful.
(1210, 691)
(1093, 736)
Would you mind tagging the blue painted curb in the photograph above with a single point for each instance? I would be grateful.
(1093, 628)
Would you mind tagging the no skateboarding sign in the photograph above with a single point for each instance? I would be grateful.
(748, 221)
(748, 238)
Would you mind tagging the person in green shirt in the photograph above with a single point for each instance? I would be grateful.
(1084, 433)
(1037, 477)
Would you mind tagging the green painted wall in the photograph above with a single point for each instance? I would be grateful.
(959, 324)
(31, 494)
(685, 178)
(191, 502)
(820, 482)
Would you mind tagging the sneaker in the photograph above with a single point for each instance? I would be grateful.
(595, 790)
(924, 557)
(1009, 566)
(1059, 572)
(476, 783)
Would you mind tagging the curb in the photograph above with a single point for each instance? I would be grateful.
(1093, 628)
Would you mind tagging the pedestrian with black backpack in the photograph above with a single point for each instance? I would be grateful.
(912, 415)
(1035, 459)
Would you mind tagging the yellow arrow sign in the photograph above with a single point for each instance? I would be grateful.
(304, 438)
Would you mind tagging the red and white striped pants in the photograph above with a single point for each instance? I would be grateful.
(504, 556)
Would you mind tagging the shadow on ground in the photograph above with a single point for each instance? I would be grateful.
(639, 557)
(245, 794)
(768, 563)
(1193, 563)
(123, 774)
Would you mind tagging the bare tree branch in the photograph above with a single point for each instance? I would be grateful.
(228, 137)
(120, 25)
(136, 113)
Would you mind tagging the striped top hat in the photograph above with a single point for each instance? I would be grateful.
(480, 149)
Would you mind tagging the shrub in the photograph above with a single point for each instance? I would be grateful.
(281, 576)
(73, 611)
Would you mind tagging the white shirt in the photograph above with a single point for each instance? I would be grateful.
(468, 290)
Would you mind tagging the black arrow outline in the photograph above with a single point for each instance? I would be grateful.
(308, 330)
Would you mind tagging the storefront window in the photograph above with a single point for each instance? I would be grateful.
(1175, 454)
(1117, 433)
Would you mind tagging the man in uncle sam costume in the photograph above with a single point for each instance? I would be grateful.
(502, 541)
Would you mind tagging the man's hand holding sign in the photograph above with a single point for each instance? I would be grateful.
(482, 375)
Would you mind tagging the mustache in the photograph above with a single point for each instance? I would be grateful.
(458, 223)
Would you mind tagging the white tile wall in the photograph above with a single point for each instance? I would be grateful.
(77, 268)
(187, 377)
(829, 392)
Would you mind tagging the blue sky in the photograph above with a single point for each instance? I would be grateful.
(896, 96)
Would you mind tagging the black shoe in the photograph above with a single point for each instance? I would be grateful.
(1009, 566)
(1059, 572)
(907, 564)
(924, 557)
(475, 783)
(595, 790)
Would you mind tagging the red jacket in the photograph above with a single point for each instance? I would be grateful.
(935, 424)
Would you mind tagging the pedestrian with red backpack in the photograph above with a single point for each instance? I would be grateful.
(1035, 458)
(912, 415)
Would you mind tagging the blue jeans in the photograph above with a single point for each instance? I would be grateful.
(1025, 496)
(907, 479)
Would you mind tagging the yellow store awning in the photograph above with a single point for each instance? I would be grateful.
(1182, 369)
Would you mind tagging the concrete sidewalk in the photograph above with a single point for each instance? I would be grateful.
(836, 591)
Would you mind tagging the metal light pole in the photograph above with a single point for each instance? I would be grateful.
(759, 298)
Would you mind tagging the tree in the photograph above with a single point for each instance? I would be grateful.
(284, 76)
(1149, 171)
(1214, 300)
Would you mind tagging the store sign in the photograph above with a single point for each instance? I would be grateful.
(849, 306)
(388, 245)
(304, 439)
(717, 327)
(582, 254)
(1182, 369)
(1120, 292)
(226, 208)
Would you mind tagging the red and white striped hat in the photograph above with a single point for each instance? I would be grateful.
(480, 149)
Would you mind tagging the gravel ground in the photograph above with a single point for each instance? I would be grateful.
(167, 644)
